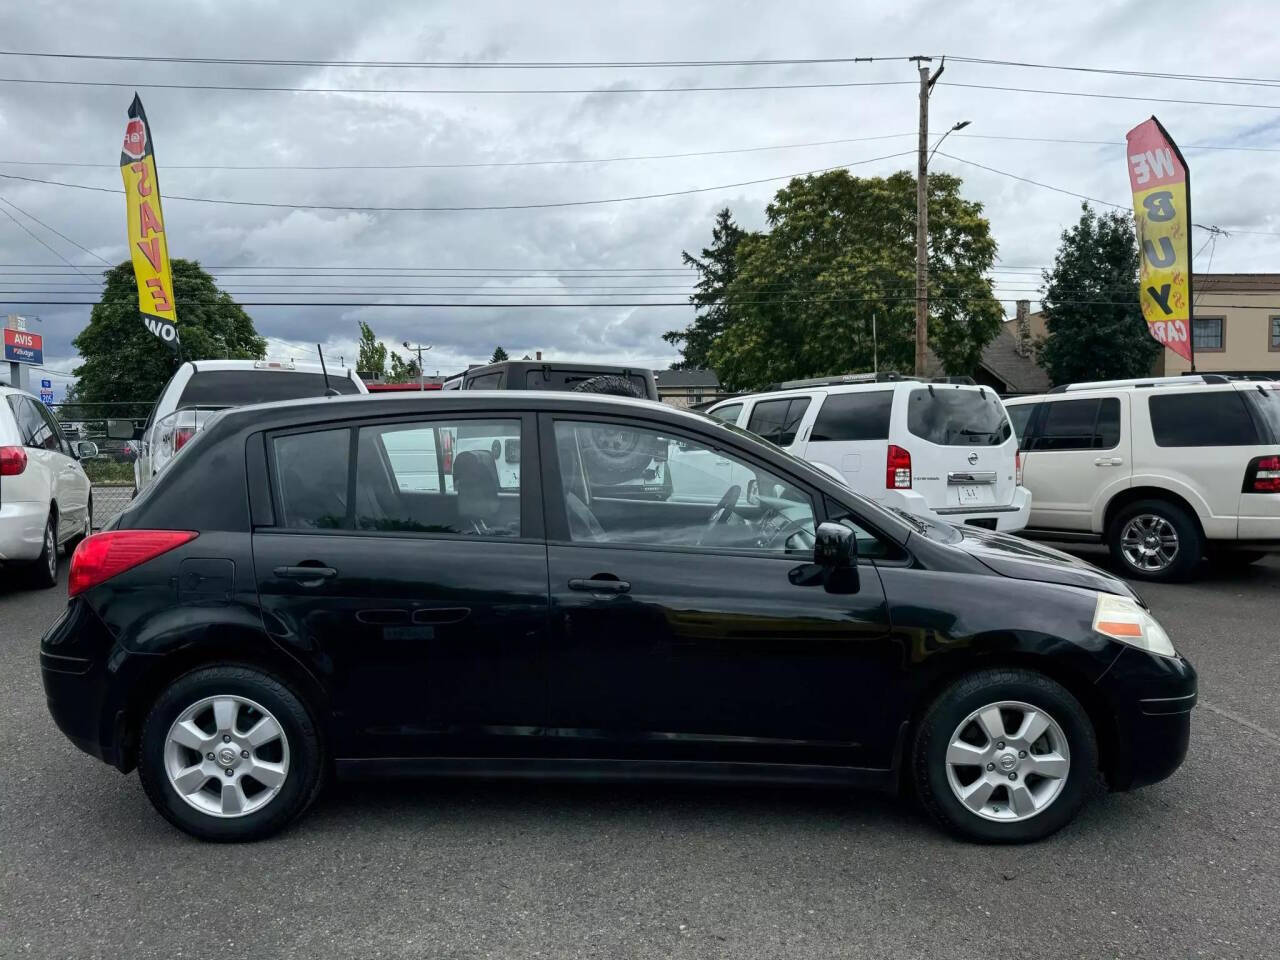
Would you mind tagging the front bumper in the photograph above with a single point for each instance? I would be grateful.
(1151, 699)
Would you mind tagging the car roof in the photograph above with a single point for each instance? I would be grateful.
(355, 406)
(872, 386)
(1160, 389)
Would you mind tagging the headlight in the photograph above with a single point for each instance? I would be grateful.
(1123, 619)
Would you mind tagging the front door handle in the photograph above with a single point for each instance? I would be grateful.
(598, 584)
(1108, 461)
(307, 576)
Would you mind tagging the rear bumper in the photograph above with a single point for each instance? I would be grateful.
(1259, 517)
(74, 673)
(1005, 519)
(22, 530)
(1151, 700)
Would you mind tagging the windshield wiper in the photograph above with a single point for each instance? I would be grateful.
(921, 525)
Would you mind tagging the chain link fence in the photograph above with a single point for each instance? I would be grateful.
(111, 471)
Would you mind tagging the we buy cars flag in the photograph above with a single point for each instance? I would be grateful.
(1161, 185)
(147, 244)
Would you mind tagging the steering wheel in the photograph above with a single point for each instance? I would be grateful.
(723, 511)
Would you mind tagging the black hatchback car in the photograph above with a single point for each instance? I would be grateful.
(352, 584)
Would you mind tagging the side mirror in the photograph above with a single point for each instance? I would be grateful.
(835, 550)
(85, 449)
(120, 430)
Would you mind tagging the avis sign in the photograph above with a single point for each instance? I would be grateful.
(1161, 185)
(23, 347)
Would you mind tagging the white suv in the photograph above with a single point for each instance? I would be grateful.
(45, 497)
(941, 451)
(200, 388)
(1164, 470)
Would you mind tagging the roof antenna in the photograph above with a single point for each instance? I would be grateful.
(328, 390)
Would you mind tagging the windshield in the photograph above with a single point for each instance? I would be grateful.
(239, 388)
(957, 416)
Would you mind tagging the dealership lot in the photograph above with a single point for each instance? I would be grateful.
(1187, 868)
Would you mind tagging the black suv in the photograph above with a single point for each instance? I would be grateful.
(352, 583)
(562, 375)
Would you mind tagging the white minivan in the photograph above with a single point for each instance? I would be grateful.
(943, 451)
(45, 498)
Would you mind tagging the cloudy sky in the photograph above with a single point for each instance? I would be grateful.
(72, 133)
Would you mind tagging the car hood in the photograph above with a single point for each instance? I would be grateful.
(1023, 560)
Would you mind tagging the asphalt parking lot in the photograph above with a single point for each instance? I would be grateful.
(1187, 868)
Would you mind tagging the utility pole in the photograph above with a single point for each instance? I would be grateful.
(418, 348)
(922, 211)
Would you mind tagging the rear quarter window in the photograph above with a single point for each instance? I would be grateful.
(1216, 419)
(955, 417)
(727, 414)
(854, 416)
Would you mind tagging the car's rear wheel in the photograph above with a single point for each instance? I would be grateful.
(230, 753)
(1004, 756)
(44, 572)
(1155, 540)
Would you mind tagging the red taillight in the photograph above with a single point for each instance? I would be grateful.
(897, 470)
(104, 555)
(1263, 475)
(1017, 467)
(181, 436)
(13, 460)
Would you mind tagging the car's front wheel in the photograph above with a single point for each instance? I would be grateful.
(1155, 540)
(1004, 756)
(230, 753)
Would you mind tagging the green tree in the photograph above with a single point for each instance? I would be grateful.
(498, 355)
(1095, 325)
(124, 361)
(716, 269)
(839, 251)
(402, 371)
(373, 354)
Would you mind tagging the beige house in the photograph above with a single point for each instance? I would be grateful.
(1236, 329)
(1237, 325)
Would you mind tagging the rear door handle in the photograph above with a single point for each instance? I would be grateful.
(600, 585)
(1108, 461)
(307, 576)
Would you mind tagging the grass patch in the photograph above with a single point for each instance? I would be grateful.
(107, 471)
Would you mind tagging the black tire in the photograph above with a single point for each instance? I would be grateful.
(1190, 541)
(609, 384)
(306, 753)
(614, 454)
(972, 692)
(43, 574)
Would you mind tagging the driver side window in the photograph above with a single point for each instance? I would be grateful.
(633, 485)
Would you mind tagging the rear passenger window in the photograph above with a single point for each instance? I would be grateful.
(1078, 425)
(778, 420)
(457, 477)
(854, 416)
(1217, 419)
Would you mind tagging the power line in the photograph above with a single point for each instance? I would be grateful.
(1098, 143)
(452, 90)
(453, 64)
(56, 233)
(1196, 77)
(468, 208)
(1109, 96)
(471, 164)
(675, 303)
(1037, 183)
(23, 227)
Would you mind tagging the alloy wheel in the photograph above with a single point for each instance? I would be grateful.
(1149, 543)
(1008, 761)
(227, 756)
